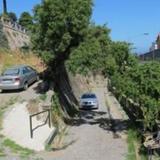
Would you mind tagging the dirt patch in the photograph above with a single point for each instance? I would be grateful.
(33, 106)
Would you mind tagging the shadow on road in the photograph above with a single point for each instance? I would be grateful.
(100, 118)
(11, 91)
(42, 87)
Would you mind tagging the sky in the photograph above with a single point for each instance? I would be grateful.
(127, 19)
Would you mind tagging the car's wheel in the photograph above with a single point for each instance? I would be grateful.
(25, 87)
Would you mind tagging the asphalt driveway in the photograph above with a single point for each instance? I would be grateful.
(32, 92)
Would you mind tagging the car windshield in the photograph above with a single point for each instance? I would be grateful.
(88, 96)
(10, 72)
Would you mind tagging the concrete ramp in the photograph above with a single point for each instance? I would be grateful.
(16, 127)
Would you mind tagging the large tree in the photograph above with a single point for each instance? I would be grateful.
(91, 55)
(60, 25)
(26, 20)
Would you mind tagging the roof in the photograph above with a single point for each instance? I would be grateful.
(158, 37)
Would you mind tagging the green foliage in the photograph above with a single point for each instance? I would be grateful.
(133, 140)
(141, 84)
(55, 105)
(26, 20)
(43, 97)
(131, 147)
(60, 26)
(12, 16)
(97, 53)
(92, 53)
(16, 148)
(2, 152)
(120, 50)
(110, 67)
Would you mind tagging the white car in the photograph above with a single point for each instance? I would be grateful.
(88, 101)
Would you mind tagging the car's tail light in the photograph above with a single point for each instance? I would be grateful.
(17, 79)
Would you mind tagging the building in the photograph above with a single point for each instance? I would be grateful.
(153, 46)
(158, 41)
(154, 51)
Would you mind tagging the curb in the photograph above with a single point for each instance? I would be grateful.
(51, 137)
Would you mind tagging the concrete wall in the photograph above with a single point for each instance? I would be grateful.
(16, 35)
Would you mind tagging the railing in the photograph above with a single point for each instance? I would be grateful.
(47, 119)
(13, 25)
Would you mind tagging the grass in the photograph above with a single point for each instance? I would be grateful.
(2, 150)
(10, 58)
(15, 148)
(11, 101)
(2, 153)
(43, 97)
(131, 146)
(135, 150)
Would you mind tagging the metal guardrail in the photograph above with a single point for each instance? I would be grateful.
(47, 119)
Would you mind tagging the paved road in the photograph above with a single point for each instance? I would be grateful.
(91, 137)
(31, 93)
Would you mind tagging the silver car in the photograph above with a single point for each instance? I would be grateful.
(89, 101)
(18, 77)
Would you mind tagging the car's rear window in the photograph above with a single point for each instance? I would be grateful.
(88, 96)
(10, 72)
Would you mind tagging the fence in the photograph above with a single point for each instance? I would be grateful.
(13, 25)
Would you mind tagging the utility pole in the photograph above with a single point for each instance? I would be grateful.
(4, 6)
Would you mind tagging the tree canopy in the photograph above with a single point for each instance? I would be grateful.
(26, 20)
(91, 54)
(12, 16)
(60, 26)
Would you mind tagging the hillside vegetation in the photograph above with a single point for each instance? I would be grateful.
(11, 58)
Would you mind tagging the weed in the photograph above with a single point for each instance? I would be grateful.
(43, 97)
(12, 101)
(2, 153)
(131, 147)
(1, 136)
(9, 58)
(56, 105)
(48, 147)
(134, 147)
(15, 148)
